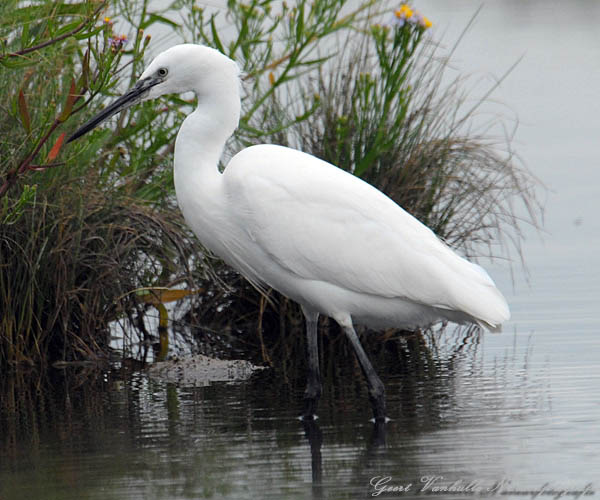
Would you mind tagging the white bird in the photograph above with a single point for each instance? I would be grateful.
(317, 234)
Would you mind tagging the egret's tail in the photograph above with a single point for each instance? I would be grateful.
(490, 328)
(476, 294)
(490, 308)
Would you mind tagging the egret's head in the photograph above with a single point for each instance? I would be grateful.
(189, 67)
(179, 69)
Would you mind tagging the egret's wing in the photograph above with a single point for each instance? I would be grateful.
(321, 223)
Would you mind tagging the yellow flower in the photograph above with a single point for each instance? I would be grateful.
(404, 12)
(426, 22)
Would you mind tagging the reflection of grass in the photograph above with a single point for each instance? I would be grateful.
(110, 434)
(434, 377)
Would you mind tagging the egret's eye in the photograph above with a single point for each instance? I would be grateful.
(162, 72)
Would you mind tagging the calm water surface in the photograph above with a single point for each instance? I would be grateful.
(518, 411)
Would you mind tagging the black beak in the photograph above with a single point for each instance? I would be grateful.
(131, 97)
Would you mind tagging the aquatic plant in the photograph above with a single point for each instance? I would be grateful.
(79, 228)
(386, 112)
(86, 226)
(83, 227)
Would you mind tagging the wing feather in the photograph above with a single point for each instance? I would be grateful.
(321, 223)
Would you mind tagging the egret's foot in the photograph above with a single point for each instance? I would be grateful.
(378, 405)
(310, 409)
(308, 418)
(384, 421)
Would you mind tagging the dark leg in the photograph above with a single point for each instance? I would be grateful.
(376, 388)
(315, 439)
(313, 385)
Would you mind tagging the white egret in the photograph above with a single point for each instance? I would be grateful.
(317, 234)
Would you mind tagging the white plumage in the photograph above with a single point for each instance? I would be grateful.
(312, 231)
(329, 240)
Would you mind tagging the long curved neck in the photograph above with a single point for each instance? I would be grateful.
(198, 149)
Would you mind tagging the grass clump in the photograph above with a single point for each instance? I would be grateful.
(383, 107)
(84, 228)
(80, 229)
